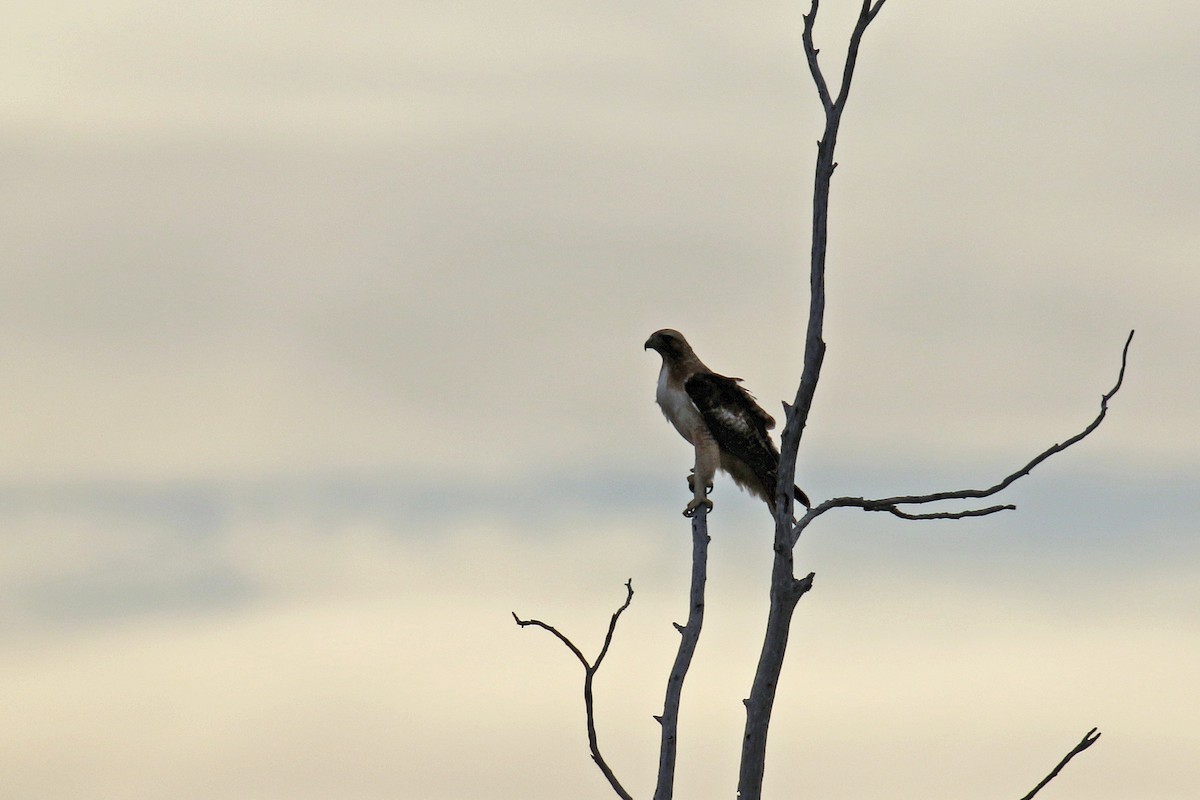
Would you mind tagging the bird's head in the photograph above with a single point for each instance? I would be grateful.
(668, 343)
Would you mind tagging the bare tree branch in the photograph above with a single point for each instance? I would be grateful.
(689, 638)
(1087, 741)
(537, 623)
(865, 15)
(1038, 459)
(810, 52)
(890, 504)
(589, 673)
(972, 512)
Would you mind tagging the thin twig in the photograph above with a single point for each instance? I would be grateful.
(612, 623)
(890, 504)
(589, 673)
(537, 623)
(1087, 741)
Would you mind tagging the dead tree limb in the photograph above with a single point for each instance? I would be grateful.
(689, 637)
(589, 674)
(891, 504)
(1087, 741)
(786, 590)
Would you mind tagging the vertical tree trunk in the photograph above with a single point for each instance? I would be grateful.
(689, 638)
(786, 589)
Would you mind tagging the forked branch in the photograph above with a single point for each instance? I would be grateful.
(891, 504)
(1087, 741)
(814, 343)
(866, 14)
(589, 673)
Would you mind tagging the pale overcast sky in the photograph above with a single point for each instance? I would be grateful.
(321, 335)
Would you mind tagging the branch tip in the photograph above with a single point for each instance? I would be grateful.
(1087, 741)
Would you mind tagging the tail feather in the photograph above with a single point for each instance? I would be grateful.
(768, 493)
(801, 497)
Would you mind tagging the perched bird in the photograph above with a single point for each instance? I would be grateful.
(720, 419)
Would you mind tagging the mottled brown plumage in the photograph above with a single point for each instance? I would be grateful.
(720, 419)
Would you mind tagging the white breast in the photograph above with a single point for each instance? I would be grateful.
(678, 407)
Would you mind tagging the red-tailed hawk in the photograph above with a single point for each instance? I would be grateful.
(720, 419)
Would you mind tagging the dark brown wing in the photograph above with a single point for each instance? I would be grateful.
(739, 425)
(736, 422)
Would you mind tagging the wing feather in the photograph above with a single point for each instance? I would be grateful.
(738, 424)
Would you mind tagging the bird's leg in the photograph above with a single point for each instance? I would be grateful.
(692, 482)
(708, 455)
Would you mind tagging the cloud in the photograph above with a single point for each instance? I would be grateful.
(258, 239)
(384, 646)
(321, 346)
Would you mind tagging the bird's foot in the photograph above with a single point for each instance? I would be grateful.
(693, 508)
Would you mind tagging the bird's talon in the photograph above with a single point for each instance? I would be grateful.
(694, 506)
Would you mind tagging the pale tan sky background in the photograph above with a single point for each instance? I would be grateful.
(321, 333)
